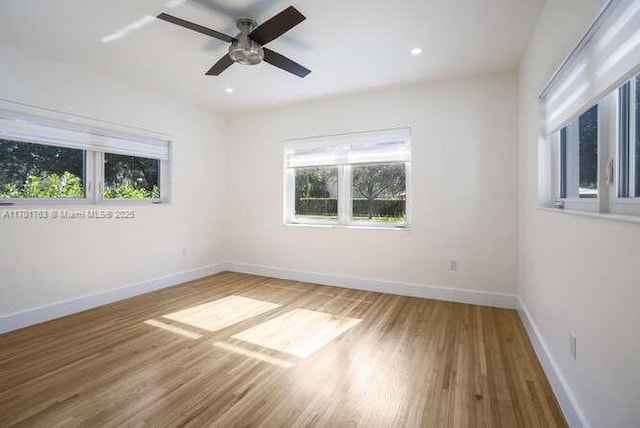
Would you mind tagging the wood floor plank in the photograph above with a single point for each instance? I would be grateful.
(296, 355)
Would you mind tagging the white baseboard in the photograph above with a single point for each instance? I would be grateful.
(567, 401)
(475, 297)
(59, 309)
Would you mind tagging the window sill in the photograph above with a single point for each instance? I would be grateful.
(350, 226)
(604, 216)
(132, 202)
(62, 203)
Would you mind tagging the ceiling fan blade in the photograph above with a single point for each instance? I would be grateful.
(281, 61)
(277, 25)
(220, 66)
(195, 27)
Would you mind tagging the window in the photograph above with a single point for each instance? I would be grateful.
(53, 157)
(602, 175)
(590, 158)
(348, 180)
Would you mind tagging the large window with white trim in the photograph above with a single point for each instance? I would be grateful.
(48, 157)
(590, 150)
(348, 180)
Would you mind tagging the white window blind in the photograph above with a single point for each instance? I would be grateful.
(607, 55)
(371, 147)
(73, 133)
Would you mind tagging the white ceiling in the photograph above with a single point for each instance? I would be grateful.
(350, 45)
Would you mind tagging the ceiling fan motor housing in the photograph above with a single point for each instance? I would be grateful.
(243, 50)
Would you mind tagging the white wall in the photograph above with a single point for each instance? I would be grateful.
(578, 274)
(45, 261)
(464, 184)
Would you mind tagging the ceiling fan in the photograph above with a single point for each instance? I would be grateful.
(247, 47)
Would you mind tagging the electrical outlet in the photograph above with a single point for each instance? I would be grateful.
(183, 251)
(453, 265)
(573, 350)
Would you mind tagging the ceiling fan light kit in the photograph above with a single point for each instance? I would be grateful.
(247, 48)
(244, 50)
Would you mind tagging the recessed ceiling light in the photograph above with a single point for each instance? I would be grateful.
(416, 51)
(229, 90)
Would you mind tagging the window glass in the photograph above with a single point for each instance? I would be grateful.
(563, 162)
(131, 177)
(316, 193)
(379, 192)
(623, 140)
(579, 156)
(29, 170)
(588, 131)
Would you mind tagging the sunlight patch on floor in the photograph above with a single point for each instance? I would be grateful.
(253, 354)
(222, 313)
(173, 329)
(299, 332)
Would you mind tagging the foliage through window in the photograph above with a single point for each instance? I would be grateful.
(317, 193)
(379, 192)
(356, 179)
(131, 177)
(30, 170)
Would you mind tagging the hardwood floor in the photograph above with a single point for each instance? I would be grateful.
(242, 350)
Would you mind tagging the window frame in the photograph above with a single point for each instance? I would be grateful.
(345, 202)
(290, 196)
